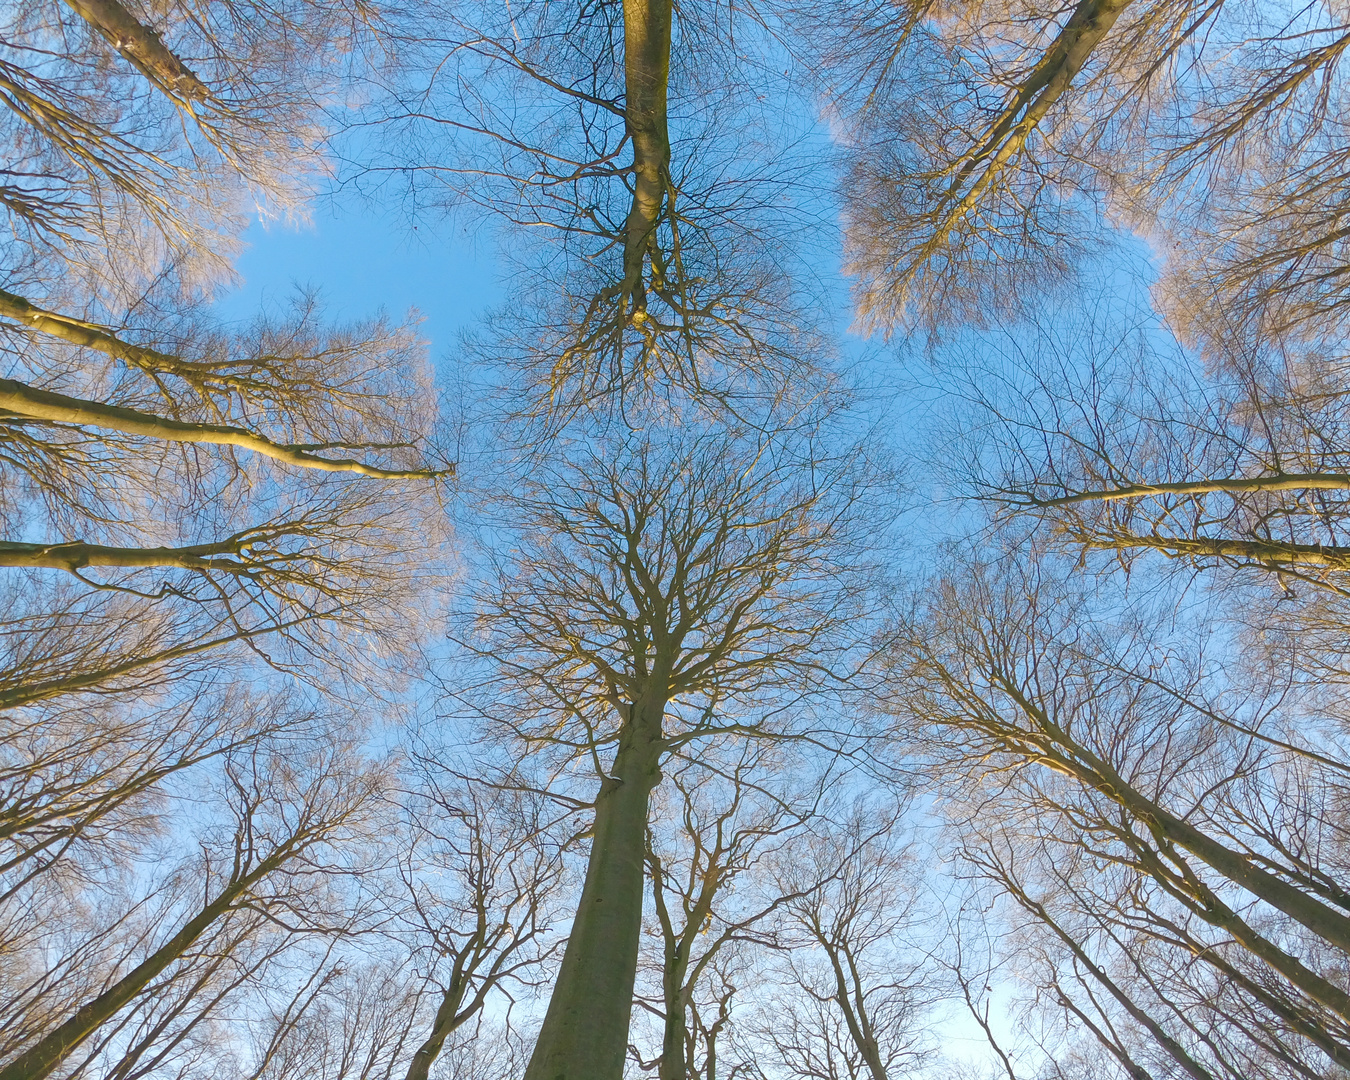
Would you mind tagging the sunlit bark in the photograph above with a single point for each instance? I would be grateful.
(29, 403)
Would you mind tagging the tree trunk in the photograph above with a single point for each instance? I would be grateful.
(1085, 766)
(46, 1055)
(447, 1021)
(585, 1031)
(142, 47)
(646, 39)
(673, 1065)
(859, 1026)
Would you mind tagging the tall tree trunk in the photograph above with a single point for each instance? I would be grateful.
(849, 997)
(585, 1032)
(1064, 755)
(674, 968)
(646, 39)
(673, 1065)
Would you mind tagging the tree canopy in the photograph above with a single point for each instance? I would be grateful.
(867, 601)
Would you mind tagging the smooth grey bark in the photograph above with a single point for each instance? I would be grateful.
(647, 30)
(673, 1064)
(676, 987)
(585, 1031)
(141, 46)
(21, 400)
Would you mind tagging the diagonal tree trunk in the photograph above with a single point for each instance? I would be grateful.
(142, 47)
(46, 1055)
(448, 1020)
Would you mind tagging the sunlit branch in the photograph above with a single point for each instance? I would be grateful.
(1275, 482)
(1259, 551)
(25, 401)
(77, 555)
(141, 46)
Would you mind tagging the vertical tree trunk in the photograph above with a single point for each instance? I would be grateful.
(646, 40)
(673, 1065)
(585, 1032)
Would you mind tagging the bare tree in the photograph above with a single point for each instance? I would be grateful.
(716, 829)
(852, 989)
(1129, 447)
(460, 927)
(147, 450)
(296, 822)
(182, 503)
(482, 876)
(1174, 838)
(983, 149)
(648, 188)
(161, 493)
(668, 588)
(137, 135)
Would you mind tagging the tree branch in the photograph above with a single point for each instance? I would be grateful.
(76, 555)
(1234, 485)
(28, 402)
(141, 47)
(1261, 551)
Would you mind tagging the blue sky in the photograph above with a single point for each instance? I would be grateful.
(362, 261)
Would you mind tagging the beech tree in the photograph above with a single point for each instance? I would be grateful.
(165, 953)
(717, 827)
(1131, 449)
(986, 147)
(482, 875)
(1168, 828)
(193, 515)
(857, 990)
(667, 588)
(139, 136)
(644, 184)
(124, 408)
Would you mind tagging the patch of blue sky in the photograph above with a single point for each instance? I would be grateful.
(363, 260)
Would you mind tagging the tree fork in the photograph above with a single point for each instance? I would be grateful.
(585, 1031)
(448, 1020)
